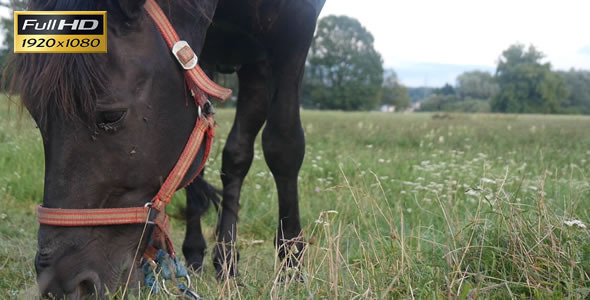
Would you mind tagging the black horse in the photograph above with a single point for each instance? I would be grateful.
(113, 126)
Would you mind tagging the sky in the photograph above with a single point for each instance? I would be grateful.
(429, 43)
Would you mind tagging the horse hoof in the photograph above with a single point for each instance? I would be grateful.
(225, 272)
(291, 274)
(194, 262)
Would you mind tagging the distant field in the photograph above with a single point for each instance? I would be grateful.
(394, 206)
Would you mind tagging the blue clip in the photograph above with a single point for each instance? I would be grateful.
(163, 263)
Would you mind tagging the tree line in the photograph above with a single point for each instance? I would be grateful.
(345, 72)
(523, 83)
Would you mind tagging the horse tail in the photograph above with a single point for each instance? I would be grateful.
(200, 194)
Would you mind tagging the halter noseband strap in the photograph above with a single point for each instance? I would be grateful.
(200, 86)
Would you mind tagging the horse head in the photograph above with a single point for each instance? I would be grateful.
(113, 126)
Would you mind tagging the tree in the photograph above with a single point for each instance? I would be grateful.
(394, 93)
(446, 90)
(467, 97)
(419, 93)
(578, 85)
(343, 69)
(437, 102)
(7, 27)
(526, 84)
(476, 85)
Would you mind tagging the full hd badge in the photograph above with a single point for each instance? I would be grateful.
(60, 32)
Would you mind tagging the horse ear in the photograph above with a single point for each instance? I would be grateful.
(132, 8)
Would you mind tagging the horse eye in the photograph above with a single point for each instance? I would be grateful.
(110, 121)
(111, 116)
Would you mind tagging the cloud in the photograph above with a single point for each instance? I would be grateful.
(461, 32)
(585, 50)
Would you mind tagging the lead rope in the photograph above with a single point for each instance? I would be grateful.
(136, 253)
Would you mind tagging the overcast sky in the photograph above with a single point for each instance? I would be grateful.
(429, 42)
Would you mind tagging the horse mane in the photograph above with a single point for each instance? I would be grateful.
(68, 85)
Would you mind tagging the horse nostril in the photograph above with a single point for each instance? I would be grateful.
(86, 287)
(85, 284)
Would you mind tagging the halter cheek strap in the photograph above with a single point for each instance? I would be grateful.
(184, 54)
(200, 86)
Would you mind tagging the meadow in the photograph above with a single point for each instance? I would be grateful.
(436, 206)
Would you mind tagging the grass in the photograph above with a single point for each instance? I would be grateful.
(393, 205)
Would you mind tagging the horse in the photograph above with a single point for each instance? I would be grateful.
(113, 126)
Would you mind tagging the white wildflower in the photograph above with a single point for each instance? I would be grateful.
(487, 180)
(576, 223)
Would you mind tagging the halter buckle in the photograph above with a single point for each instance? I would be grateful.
(185, 55)
(208, 108)
(185, 290)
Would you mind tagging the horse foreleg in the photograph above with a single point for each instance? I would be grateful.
(199, 195)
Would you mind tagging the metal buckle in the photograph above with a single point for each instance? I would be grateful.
(208, 108)
(185, 290)
(185, 55)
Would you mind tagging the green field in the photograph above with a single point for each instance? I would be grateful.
(393, 206)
